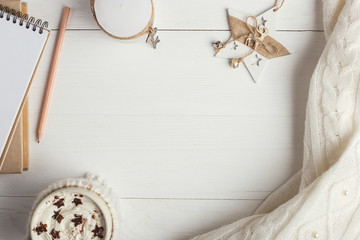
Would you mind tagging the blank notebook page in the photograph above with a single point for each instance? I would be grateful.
(21, 49)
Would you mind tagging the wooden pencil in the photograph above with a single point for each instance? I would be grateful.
(52, 75)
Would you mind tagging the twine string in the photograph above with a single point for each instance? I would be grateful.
(278, 5)
(253, 40)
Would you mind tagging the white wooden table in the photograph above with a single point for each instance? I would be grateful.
(188, 142)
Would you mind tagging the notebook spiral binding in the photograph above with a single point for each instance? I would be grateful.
(24, 19)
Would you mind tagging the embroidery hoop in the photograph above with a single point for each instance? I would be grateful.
(148, 29)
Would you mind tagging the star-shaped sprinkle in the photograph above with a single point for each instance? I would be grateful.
(98, 232)
(57, 216)
(55, 234)
(40, 228)
(77, 201)
(60, 203)
(77, 219)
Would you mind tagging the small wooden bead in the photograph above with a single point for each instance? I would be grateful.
(315, 235)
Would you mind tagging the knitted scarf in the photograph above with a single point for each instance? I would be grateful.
(322, 201)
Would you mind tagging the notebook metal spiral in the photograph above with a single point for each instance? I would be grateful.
(24, 19)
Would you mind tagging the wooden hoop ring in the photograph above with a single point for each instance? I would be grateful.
(143, 32)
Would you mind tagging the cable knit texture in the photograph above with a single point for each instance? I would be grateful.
(322, 201)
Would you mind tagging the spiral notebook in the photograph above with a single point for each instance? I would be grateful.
(17, 157)
(25, 41)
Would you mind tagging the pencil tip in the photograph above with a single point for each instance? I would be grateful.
(38, 141)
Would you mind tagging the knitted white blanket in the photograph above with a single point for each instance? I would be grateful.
(322, 201)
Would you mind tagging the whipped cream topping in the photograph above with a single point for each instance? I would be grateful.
(68, 215)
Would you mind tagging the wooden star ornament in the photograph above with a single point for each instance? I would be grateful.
(252, 42)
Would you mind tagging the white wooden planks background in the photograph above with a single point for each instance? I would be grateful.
(187, 142)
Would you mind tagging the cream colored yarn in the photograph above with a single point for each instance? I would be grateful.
(322, 201)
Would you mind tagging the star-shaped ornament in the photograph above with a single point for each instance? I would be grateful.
(256, 60)
(252, 42)
(263, 22)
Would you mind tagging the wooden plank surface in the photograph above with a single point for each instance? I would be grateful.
(187, 142)
(189, 14)
(201, 121)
